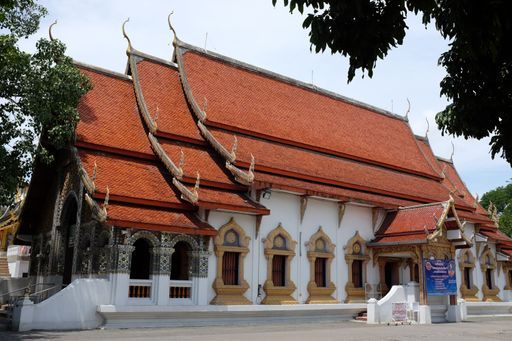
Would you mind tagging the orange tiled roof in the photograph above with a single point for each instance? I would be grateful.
(161, 88)
(265, 180)
(496, 235)
(130, 178)
(414, 238)
(416, 219)
(277, 158)
(109, 116)
(257, 103)
(160, 219)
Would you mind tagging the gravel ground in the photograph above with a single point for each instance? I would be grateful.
(481, 329)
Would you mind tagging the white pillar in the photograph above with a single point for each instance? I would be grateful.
(372, 312)
(120, 284)
(23, 315)
(162, 289)
(425, 316)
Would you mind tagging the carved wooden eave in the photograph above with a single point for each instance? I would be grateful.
(227, 155)
(245, 178)
(440, 231)
(148, 119)
(191, 196)
(303, 207)
(176, 171)
(99, 213)
(89, 185)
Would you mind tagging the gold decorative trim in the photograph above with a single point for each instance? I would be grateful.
(467, 260)
(320, 294)
(230, 294)
(490, 295)
(279, 295)
(356, 249)
(191, 196)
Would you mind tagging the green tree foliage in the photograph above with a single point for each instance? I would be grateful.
(501, 198)
(478, 64)
(39, 95)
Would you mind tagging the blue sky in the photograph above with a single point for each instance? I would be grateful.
(270, 37)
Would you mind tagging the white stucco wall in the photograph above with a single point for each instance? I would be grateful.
(71, 308)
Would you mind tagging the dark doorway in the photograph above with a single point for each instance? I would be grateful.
(357, 273)
(141, 260)
(69, 229)
(180, 264)
(391, 274)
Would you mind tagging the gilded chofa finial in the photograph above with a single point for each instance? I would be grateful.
(172, 28)
(129, 48)
(428, 128)
(408, 109)
(50, 30)
(453, 151)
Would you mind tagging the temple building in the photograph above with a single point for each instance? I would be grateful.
(202, 181)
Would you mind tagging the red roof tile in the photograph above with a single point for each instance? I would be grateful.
(109, 115)
(261, 104)
(335, 170)
(197, 159)
(264, 180)
(415, 238)
(412, 220)
(497, 235)
(135, 179)
(215, 198)
(156, 219)
(161, 88)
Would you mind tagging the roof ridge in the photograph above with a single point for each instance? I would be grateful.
(289, 80)
(402, 208)
(156, 59)
(104, 71)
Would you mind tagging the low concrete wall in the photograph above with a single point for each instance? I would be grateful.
(475, 309)
(170, 316)
(12, 285)
(71, 308)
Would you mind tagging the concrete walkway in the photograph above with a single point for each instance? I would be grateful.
(482, 329)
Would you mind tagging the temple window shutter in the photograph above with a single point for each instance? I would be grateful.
(230, 268)
(357, 273)
(320, 272)
(279, 270)
(488, 278)
(467, 277)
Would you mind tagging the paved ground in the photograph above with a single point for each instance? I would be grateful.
(486, 329)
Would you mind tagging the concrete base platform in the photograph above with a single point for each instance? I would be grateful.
(475, 309)
(174, 316)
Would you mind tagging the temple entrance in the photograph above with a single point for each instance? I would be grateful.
(69, 229)
(391, 274)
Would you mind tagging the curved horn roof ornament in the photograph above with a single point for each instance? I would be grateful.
(408, 109)
(129, 48)
(428, 128)
(171, 27)
(50, 30)
(453, 151)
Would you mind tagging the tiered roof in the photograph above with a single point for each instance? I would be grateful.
(202, 130)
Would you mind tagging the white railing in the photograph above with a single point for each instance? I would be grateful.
(140, 288)
(180, 289)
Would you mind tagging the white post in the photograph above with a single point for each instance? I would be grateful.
(425, 316)
(162, 289)
(372, 312)
(23, 315)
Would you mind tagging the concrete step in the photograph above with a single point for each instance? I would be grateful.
(362, 317)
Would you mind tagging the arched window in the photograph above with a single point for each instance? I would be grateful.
(468, 290)
(180, 262)
(231, 247)
(488, 265)
(279, 251)
(320, 255)
(141, 260)
(356, 257)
